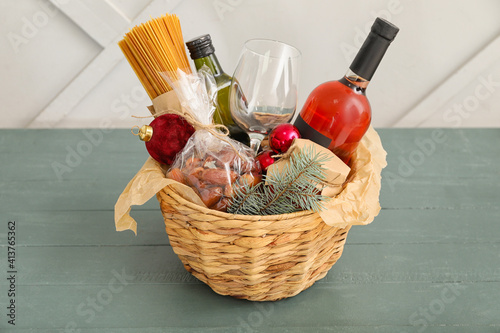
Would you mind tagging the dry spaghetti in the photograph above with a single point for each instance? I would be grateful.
(153, 47)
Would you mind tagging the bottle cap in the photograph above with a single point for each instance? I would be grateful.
(373, 49)
(200, 47)
(385, 29)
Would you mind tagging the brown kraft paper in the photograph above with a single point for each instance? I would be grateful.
(357, 203)
(336, 171)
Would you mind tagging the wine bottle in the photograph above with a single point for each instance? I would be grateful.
(202, 52)
(337, 114)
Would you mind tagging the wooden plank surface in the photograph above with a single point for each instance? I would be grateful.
(429, 262)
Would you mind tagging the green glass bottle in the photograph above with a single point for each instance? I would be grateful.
(203, 53)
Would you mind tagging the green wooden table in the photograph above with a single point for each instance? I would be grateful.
(430, 262)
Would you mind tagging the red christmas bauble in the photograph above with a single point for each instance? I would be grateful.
(282, 136)
(166, 136)
(265, 159)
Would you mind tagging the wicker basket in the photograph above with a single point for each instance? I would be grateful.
(259, 258)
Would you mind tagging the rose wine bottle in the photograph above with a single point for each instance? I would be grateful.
(337, 114)
(202, 52)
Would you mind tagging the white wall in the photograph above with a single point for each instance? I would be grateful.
(62, 68)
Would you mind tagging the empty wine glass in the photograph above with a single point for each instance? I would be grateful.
(263, 90)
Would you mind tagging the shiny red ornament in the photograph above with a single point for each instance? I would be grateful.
(166, 136)
(282, 136)
(265, 159)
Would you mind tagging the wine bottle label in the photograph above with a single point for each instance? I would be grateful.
(308, 132)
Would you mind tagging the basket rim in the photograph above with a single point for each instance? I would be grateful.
(171, 192)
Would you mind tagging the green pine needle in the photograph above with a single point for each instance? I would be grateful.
(294, 188)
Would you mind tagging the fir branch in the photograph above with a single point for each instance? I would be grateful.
(293, 188)
(303, 166)
(244, 198)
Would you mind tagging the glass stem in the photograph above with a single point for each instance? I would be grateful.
(255, 140)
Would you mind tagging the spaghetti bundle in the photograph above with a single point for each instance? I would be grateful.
(154, 47)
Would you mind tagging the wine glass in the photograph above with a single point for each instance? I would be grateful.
(263, 90)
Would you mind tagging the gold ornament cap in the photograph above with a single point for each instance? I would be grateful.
(145, 133)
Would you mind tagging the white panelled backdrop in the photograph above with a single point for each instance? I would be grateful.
(61, 67)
